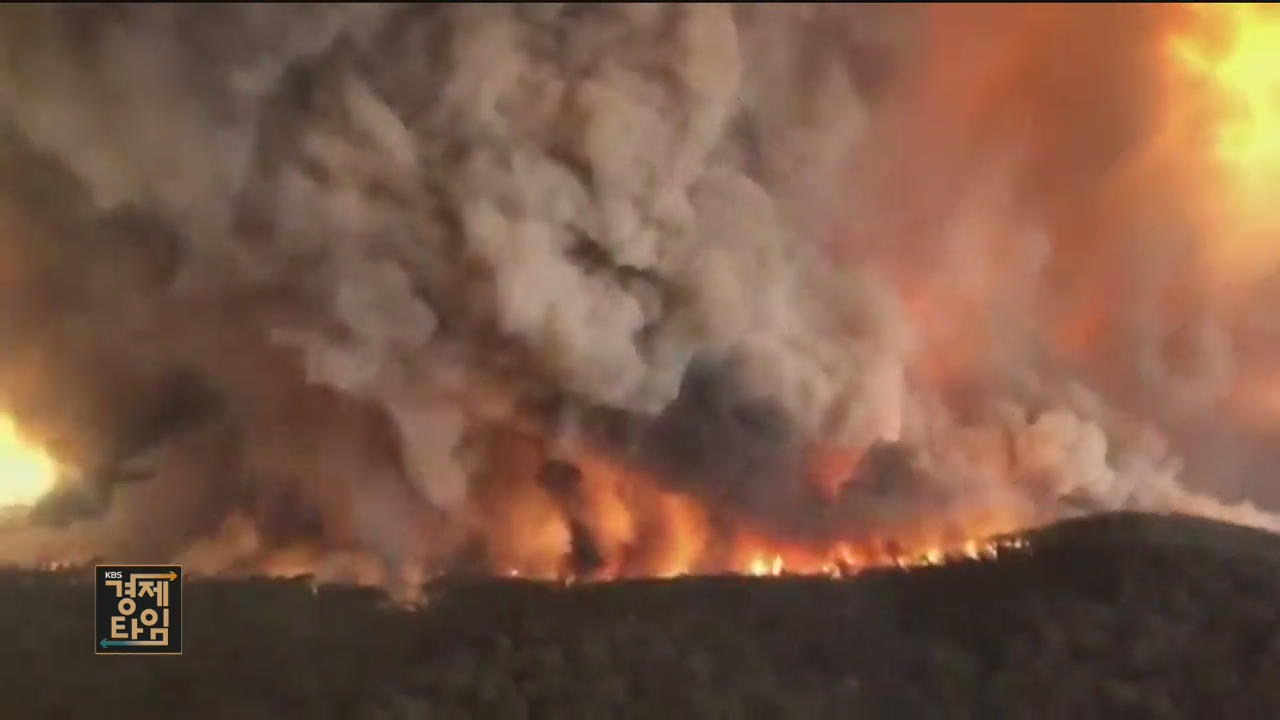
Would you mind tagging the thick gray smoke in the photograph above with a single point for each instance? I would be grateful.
(299, 264)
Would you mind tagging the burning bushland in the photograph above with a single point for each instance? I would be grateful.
(375, 291)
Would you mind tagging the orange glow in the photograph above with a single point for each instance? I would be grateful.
(27, 472)
(762, 565)
(1246, 73)
(1227, 68)
(845, 559)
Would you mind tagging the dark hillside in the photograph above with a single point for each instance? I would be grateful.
(1122, 616)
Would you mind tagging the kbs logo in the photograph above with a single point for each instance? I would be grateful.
(139, 609)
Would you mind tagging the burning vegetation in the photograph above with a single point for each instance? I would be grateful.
(378, 292)
(28, 471)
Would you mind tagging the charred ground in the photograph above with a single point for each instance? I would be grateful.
(1116, 616)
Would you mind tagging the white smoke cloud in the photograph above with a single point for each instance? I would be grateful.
(396, 227)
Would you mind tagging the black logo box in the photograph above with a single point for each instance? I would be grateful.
(106, 603)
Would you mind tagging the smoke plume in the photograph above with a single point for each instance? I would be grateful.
(377, 290)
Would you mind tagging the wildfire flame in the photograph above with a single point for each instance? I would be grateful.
(1247, 73)
(760, 565)
(27, 472)
(845, 561)
(1229, 60)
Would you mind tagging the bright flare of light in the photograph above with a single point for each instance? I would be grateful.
(27, 472)
(762, 565)
(1226, 75)
(1247, 72)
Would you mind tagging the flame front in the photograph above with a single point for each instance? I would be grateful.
(27, 472)
(843, 560)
